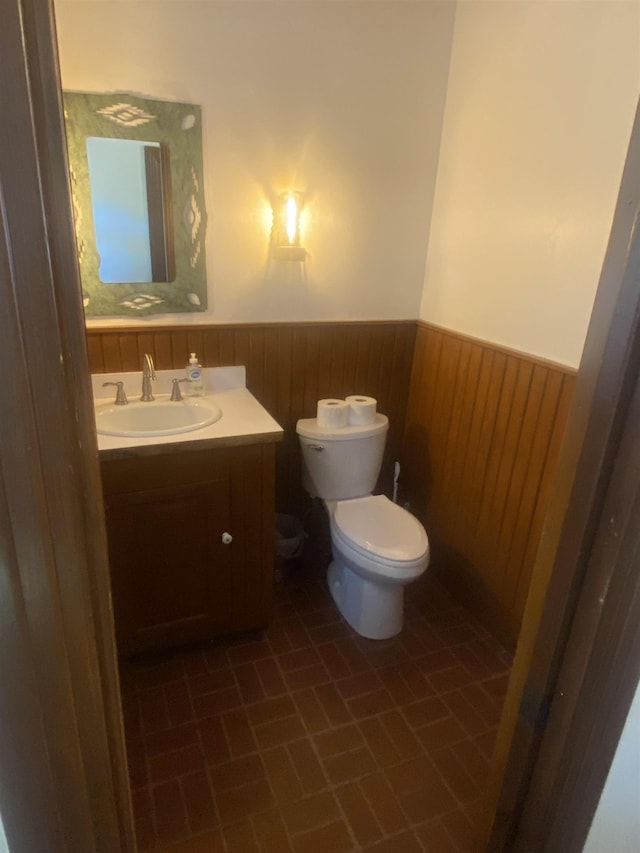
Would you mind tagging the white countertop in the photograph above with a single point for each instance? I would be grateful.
(244, 420)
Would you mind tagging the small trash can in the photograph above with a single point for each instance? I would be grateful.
(289, 543)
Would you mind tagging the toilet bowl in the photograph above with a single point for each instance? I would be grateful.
(377, 547)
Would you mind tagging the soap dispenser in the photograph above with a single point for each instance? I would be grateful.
(194, 375)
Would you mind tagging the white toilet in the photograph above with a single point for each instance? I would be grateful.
(377, 546)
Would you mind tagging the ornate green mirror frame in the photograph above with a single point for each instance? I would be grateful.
(178, 129)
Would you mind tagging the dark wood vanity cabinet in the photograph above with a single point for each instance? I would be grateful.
(190, 544)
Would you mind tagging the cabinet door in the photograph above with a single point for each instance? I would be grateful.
(170, 568)
(252, 497)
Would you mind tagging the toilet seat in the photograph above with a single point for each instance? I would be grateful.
(374, 525)
(379, 535)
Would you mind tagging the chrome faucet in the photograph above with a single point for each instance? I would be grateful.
(176, 395)
(148, 373)
(121, 397)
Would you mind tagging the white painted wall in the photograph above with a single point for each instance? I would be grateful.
(538, 117)
(616, 823)
(343, 100)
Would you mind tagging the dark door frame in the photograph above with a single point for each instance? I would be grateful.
(63, 775)
(578, 660)
(63, 781)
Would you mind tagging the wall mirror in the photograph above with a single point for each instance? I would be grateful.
(138, 197)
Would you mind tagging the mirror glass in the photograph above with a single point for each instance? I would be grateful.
(122, 173)
(137, 188)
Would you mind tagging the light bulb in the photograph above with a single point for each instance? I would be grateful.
(292, 219)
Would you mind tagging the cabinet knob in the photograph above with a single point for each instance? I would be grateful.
(227, 538)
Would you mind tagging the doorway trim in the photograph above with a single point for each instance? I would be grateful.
(579, 642)
(63, 772)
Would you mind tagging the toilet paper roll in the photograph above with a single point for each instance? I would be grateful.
(332, 414)
(362, 410)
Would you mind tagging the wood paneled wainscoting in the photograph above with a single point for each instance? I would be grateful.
(289, 368)
(483, 431)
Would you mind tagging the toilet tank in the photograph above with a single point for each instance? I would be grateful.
(338, 464)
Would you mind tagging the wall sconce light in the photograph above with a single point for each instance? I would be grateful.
(285, 231)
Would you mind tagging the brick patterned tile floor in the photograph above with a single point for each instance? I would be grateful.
(305, 738)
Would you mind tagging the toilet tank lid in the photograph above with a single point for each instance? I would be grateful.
(309, 428)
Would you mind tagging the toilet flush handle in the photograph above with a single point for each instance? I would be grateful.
(316, 447)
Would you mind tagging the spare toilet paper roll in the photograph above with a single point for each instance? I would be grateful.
(362, 410)
(332, 414)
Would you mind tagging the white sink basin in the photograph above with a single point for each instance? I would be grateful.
(159, 417)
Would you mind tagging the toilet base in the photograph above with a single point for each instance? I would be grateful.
(373, 609)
